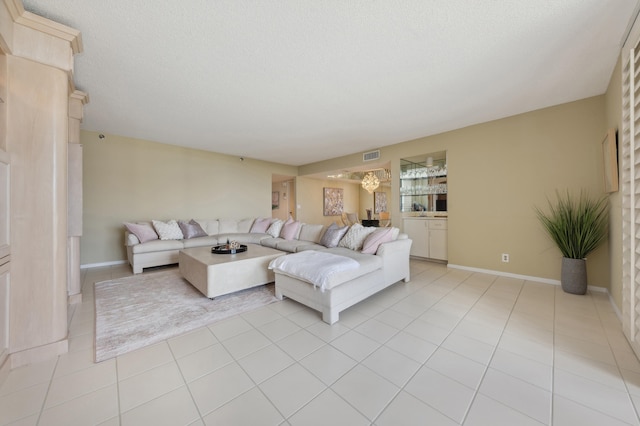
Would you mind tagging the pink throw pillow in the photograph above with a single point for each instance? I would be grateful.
(144, 232)
(377, 237)
(260, 226)
(191, 229)
(290, 230)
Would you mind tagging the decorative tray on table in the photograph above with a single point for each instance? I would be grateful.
(229, 249)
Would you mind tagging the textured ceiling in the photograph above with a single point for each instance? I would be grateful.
(298, 81)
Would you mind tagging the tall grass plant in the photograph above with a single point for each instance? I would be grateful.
(577, 224)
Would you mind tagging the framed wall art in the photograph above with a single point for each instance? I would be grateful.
(333, 201)
(379, 202)
(610, 159)
(275, 200)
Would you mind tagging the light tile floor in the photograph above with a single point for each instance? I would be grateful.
(450, 347)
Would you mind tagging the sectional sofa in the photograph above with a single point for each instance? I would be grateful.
(378, 257)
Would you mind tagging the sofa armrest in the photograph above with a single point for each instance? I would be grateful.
(395, 259)
(130, 239)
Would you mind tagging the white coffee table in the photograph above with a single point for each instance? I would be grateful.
(218, 274)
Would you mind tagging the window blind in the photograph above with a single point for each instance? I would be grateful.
(630, 173)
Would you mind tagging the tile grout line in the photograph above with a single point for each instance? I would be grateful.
(421, 365)
(438, 346)
(115, 361)
(555, 334)
(184, 380)
(46, 395)
(617, 366)
(495, 347)
(257, 385)
(357, 363)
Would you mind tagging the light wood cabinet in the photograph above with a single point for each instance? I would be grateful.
(5, 258)
(40, 112)
(437, 239)
(429, 236)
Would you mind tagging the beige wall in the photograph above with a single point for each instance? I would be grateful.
(309, 196)
(498, 172)
(128, 179)
(613, 105)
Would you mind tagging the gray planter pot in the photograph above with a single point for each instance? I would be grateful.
(574, 276)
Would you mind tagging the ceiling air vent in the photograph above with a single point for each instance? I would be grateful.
(371, 155)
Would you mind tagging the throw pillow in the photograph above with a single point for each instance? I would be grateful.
(333, 235)
(144, 232)
(290, 230)
(355, 237)
(274, 228)
(377, 237)
(260, 226)
(168, 230)
(191, 229)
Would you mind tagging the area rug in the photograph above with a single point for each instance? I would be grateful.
(137, 311)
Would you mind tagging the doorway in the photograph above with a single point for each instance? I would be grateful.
(283, 197)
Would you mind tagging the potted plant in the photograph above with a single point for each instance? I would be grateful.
(577, 225)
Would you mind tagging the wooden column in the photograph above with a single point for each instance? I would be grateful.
(74, 229)
(39, 71)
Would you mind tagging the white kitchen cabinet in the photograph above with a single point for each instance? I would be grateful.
(418, 231)
(429, 236)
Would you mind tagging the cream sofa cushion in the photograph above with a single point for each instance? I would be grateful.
(227, 226)
(244, 225)
(311, 233)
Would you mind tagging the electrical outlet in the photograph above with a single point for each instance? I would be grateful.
(505, 257)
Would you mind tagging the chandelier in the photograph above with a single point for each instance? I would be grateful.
(370, 182)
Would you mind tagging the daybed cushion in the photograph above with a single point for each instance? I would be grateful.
(271, 242)
(209, 240)
(242, 238)
(294, 246)
(291, 246)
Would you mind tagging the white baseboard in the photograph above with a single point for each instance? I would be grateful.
(615, 307)
(519, 276)
(98, 265)
(505, 274)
